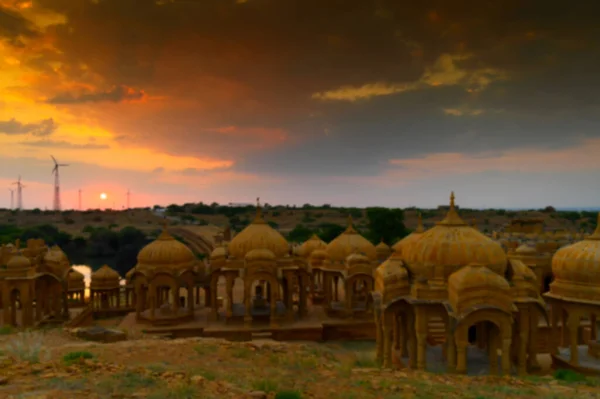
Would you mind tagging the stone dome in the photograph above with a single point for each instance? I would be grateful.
(391, 279)
(576, 269)
(219, 253)
(450, 245)
(105, 278)
(166, 251)
(75, 280)
(260, 254)
(319, 254)
(356, 258)
(258, 235)
(55, 255)
(525, 249)
(383, 250)
(348, 242)
(476, 285)
(18, 261)
(404, 245)
(310, 245)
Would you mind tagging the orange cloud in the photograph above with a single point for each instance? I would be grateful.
(583, 157)
(444, 72)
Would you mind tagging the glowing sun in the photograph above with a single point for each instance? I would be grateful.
(103, 196)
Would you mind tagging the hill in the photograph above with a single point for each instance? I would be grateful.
(48, 367)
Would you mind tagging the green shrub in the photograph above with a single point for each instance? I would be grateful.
(73, 357)
(568, 376)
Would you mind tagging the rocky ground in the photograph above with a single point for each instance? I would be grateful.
(54, 365)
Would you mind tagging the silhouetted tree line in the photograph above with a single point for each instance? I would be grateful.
(117, 248)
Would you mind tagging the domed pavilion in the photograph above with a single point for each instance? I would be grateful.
(273, 281)
(105, 289)
(349, 264)
(575, 296)
(165, 269)
(452, 286)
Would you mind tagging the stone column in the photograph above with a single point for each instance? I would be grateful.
(450, 352)
(273, 304)
(493, 339)
(421, 327)
(573, 324)
(523, 341)
(229, 289)
(248, 305)
(506, 356)
(387, 339)
(461, 357)
(378, 336)
(336, 287)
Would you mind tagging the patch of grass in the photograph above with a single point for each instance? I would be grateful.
(125, 383)
(73, 357)
(205, 349)
(157, 367)
(6, 330)
(365, 360)
(568, 376)
(176, 392)
(208, 374)
(65, 385)
(288, 395)
(242, 353)
(265, 386)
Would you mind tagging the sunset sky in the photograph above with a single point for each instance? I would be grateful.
(352, 103)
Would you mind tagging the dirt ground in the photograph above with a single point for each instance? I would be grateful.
(214, 369)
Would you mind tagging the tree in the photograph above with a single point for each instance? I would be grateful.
(300, 233)
(329, 231)
(386, 224)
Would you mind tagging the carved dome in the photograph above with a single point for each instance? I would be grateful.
(405, 245)
(310, 245)
(391, 279)
(166, 251)
(18, 261)
(475, 285)
(75, 280)
(526, 249)
(450, 245)
(356, 258)
(105, 278)
(55, 255)
(258, 235)
(576, 269)
(348, 242)
(260, 254)
(219, 253)
(383, 250)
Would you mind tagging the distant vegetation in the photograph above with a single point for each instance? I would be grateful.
(118, 248)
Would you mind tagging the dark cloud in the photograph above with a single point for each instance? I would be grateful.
(14, 27)
(13, 127)
(115, 95)
(64, 144)
(530, 65)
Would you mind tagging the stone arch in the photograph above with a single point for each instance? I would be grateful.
(496, 326)
(273, 294)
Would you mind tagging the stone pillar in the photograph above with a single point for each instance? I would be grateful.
(493, 339)
(593, 328)
(421, 327)
(273, 304)
(506, 356)
(523, 340)
(461, 357)
(450, 352)
(387, 339)
(573, 325)
(229, 289)
(247, 304)
(336, 287)
(378, 336)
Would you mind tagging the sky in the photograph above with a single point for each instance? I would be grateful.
(350, 103)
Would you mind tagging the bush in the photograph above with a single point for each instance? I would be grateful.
(27, 347)
(68, 220)
(73, 357)
(568, 376)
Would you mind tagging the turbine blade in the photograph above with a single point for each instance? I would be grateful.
(54, 159)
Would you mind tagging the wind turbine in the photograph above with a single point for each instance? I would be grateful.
(56, 183)
(20, 187)
(12, 198)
